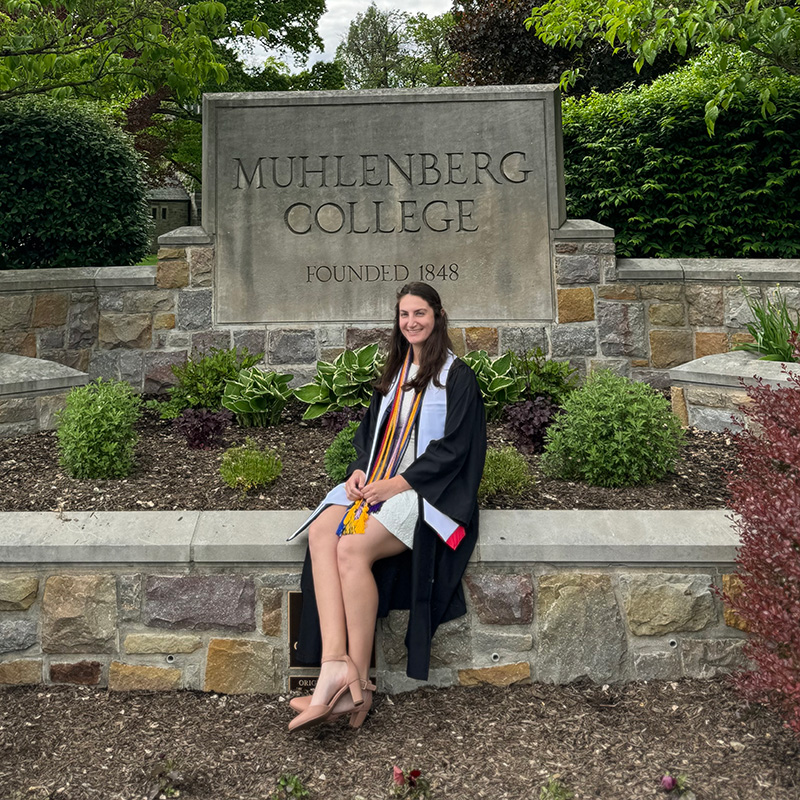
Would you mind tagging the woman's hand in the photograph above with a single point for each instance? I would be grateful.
(380, 491)
(354, 484)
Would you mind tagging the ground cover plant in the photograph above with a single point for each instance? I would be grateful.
(505, 474)
(249, 466)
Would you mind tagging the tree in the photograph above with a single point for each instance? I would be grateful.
(391, 49)
(106, 48)
(764, 29)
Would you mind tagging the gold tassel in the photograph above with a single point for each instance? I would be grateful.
(355, 522)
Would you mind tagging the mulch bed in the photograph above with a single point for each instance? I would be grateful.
(168, 475)
(603, 742)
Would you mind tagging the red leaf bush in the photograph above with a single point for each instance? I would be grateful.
(765, 493)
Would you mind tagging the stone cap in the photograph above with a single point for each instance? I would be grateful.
(24, 375)
(777, 270)
(583, 229)
(28, 280)
(187, 235)
(732, 369)
(689, 538)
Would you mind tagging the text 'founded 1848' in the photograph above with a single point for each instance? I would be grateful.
(322, 208)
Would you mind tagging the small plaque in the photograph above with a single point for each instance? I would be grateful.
(302, 683)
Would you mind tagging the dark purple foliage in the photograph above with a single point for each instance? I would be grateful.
(335, 421)
(527, 422)
(201, 427)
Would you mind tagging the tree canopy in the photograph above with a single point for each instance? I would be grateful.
(766, 30)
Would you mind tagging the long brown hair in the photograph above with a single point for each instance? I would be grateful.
(434, 350)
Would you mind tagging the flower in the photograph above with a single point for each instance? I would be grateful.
(397, 775)
(668, 783)
(412, 777)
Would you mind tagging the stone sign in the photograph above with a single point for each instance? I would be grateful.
(324, 203)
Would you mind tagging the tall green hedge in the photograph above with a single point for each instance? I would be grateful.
(642, 162)
(71, 189)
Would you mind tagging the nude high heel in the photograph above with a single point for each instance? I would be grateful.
(357, 717)
(317, 714)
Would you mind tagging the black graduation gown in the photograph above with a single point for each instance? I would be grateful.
(427, 579)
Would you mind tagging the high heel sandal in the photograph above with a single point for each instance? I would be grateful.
(317, 714)
(357, 716)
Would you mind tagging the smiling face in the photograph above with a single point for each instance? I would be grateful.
(416, 320)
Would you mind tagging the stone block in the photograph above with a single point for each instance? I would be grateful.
(452, 644)
(82, 328)
(129, 594)
(76, 359)
(705, 305)
(573, 340)
(147, 301)
(201, 265)
(621, 329)
(566, 248)
(332, 353)
(660, 665)
(667, 314)
(708, 658)
(678, 398)
(17, 409)
(241, 666)
(499, 640)
(81, 673)
(104, 364)
(358, 337)
(575, 305)
(393, 634)
(659, 603)
(503, 675)
(271, 605)
(18, 343)
(16, 312)
(17, 634)
(577, 269)
(24, 672)
(110, 299)
(18, 594)
(661, 291)
(501, 599)
(713, 419)
(331, 335)
(581, 633)
(172, 273)
(254, 340)
(292, 346)
(600, 248)
(48, 408)
(166, 253)
(131, 367)
(706, 344)
(200, 602)
(732, 587)
(640, 362)
(717, 398)
(617, 291)
(619, 366)
(151, 643)
(79, 614)
(194, 310)
(125, 330)
(788, 294)
(133, 678)
(737, 311)
(11, 430)
(521, 340)
(486, 339)
(205, 341)
(51, 339)
(458, 341)
(741, 338)
(158, 372)
(670, 348)
(50, 310)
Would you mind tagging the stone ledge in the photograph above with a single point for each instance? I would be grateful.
(30, 280)
(181, 237)
(574, 229)
(202, 538)
(730, 369)
(778, 270)
(20, 375)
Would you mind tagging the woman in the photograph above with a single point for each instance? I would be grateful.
(399, 532)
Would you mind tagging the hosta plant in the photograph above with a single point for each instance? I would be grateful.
(765, 494)
(498, 380)
(257, 398)
(343, 383)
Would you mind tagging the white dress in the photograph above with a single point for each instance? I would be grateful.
(399, 513)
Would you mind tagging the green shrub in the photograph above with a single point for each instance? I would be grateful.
(613, 432)
(96, 435)
(642, 162)
(202, 380)
(249, 466)
(341, 454)
(543, 377)
(506, 473)
(344, 383)
(71, 189)
(256, 397)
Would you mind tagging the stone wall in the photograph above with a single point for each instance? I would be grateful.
(198, 600)
(637, 317)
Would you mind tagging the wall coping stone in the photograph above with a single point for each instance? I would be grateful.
(245, 538)
(583, 229)
(181, 237)
(778, 270)
(21, 375)
(730, 369)
(28, 280)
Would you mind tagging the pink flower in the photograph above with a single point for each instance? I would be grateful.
(668, 783)
(397, 775)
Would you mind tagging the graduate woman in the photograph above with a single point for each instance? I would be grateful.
(399, 531)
